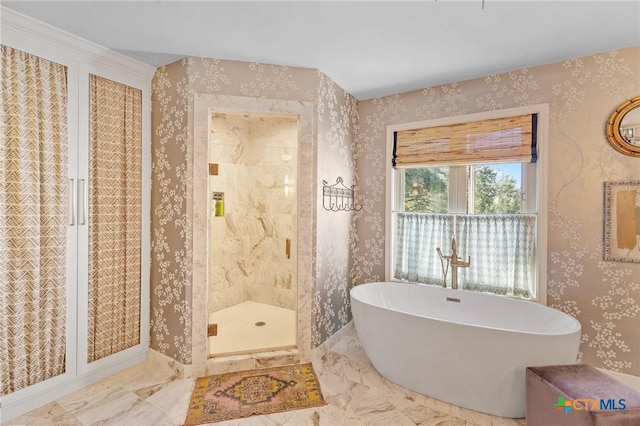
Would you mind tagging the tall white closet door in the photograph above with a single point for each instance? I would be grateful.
(113, 171)
(115, 217)
(34, 220)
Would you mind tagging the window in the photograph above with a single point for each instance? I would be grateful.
(484, 189)
(492, 204)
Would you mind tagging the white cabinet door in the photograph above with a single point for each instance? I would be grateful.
(112, 232)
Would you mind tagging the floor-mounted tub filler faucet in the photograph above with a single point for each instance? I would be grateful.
(455, 263)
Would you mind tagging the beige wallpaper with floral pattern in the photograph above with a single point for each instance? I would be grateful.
(337, 123)
(581, 93)
(170, 320)
(172, 286)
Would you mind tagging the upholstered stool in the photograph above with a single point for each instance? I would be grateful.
(583, 387)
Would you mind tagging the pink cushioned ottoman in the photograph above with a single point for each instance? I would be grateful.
(579, 395)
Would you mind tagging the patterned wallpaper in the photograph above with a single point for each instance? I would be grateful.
(170, 278)
(581, 93)
(337, 124)
(174, 88)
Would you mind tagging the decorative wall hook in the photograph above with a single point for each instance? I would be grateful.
(338, 197)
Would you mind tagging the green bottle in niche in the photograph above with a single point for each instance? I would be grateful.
(220, 207)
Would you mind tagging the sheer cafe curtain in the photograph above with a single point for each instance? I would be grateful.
(33, 220)
(418, 235)
(501, 247)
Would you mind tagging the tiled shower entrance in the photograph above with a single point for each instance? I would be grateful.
(252, 327)
(253, 225)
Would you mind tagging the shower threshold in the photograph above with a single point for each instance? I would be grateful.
(250, 327)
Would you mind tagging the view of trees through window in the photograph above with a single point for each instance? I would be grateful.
(495, 189)
(427, 190)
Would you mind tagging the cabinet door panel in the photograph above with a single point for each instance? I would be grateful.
(34, 215)
(115, 217)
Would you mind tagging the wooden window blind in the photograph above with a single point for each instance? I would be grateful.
(498, 140)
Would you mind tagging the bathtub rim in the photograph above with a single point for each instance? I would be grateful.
(573, 320)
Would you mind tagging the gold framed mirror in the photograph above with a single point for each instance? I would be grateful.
(623, 128)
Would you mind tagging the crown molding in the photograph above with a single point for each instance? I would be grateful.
(19, 29)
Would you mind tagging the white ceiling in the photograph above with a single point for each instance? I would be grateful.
(370, 48)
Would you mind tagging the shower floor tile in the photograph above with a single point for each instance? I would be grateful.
(239, 334)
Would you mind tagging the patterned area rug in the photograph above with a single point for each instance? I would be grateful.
(248, 393)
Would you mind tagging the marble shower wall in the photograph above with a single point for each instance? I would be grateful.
(581, 93)
(257, 158)
(179, 197)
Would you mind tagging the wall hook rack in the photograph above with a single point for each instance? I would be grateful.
(338, 197)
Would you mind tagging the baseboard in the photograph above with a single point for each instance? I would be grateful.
(181, 370)
(335, 337)
(25, 400)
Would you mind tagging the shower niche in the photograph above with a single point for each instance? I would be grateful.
(252, 294)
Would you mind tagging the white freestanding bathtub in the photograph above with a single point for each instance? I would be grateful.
(461, 347)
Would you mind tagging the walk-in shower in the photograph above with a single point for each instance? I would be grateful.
(252, 250)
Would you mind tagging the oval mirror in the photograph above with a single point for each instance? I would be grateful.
(623, 128)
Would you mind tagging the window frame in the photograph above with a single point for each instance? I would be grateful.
(395, 186)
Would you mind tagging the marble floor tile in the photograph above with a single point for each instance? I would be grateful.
(275, 419)
(173, 399)
(100, 412)
(141, 413)
(148, 394)
(97, 394)
(52, 414)
(144, 378)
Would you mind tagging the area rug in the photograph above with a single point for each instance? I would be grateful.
(247, 393)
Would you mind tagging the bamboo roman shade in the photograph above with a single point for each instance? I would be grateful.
(497, 140)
